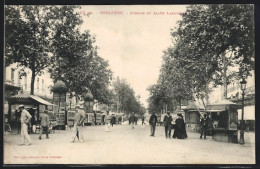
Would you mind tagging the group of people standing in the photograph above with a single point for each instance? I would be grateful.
(179, 126)
(110, 121)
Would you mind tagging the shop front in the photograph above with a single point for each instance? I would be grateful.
(33, 104)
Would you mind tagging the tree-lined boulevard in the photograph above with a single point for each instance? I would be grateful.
(212, 46)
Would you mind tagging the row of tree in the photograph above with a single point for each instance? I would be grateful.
(124, 98)
(213, 44)
(49, 38)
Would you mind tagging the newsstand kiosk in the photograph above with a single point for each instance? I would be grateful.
(225, 120)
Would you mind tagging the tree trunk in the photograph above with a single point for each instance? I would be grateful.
(33, 74)
(203, 104)
(32, 81)
(197, 109)
(224, 75)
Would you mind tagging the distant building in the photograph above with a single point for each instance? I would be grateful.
(234, 89)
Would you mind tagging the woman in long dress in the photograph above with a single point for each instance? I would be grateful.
(180, 129)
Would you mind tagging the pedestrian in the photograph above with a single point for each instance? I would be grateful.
(44, 118)
(143, 120)
(113, 119)
(119, 120)
(180, 128)
(132, 120)
(203, 126)
(107, 121)
(79, 123)
(168, 124)
(152, 122)
(25, 120)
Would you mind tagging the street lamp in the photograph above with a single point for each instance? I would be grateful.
(242, 130)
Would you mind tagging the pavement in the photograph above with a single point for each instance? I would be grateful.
(123, 145)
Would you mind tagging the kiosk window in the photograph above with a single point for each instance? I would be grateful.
(220, 119)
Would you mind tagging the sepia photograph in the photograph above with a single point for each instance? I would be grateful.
(129, 84)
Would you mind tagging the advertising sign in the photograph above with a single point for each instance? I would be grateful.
(59, 97)
(60, 118)
(233, 119)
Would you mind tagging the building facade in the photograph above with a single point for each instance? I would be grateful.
(21, 77)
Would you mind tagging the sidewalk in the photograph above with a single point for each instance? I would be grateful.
(124, 145)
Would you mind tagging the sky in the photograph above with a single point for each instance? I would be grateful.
(132, 38)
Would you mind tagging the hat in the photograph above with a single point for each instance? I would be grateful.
(179, 114)
(168, 112)
(21, 106)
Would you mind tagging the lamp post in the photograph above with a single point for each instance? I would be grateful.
(242, 125)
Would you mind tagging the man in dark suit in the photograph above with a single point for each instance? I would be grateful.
(168, 124)
(152, 122)
(132, 120)
(204, 125)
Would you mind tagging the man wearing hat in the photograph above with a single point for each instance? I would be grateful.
(168, 124)
(44, 118)
(25, 119)
(79, 123)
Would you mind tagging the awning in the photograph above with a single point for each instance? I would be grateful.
(223, 104)
(193, 106)
(40, 100)
(215, 110)
(249, 113)
(23, 98)
(11, 87)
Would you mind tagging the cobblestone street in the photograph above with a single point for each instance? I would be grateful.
(126, 146)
